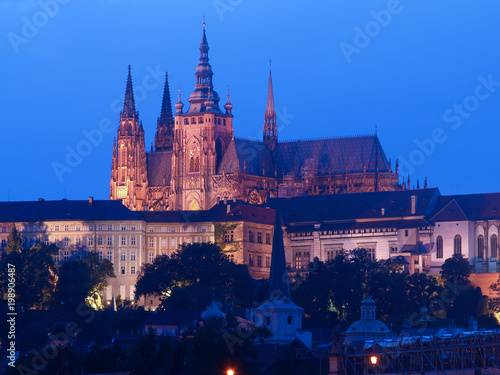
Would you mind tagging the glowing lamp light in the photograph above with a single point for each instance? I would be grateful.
(230, 372)
(374, 360)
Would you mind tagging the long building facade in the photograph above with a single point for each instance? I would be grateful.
(196, 160)
(420, 228)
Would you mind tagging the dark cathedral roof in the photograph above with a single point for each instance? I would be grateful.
(319, 157)
(159, 168)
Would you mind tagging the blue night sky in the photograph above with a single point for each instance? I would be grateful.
(424, 72)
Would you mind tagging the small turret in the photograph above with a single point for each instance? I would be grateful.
(179, 105)
(228, 106)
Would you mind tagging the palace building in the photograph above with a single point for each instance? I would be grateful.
(196, 161)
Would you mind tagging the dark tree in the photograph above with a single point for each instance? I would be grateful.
(34, 272)
(456, 270)
(187, 277)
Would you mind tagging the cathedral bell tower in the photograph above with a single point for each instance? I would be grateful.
(128, 170)
(201, 137)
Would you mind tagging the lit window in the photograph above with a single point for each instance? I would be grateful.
(228, 236)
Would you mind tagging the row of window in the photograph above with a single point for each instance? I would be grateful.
(200, 121)
(72, 228)
(457, 246)
(175, 229)
(251, 237)
(254, 260)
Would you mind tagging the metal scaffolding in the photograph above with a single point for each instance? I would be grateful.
(427, 354)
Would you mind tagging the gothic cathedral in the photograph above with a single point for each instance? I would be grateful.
(196, 160)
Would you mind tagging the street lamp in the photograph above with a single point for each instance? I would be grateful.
(374, 360)
(230, 372)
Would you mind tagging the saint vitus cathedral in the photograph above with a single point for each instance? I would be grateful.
(196, 160)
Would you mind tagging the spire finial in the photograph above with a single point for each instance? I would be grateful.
(204, 22)
(129, 103)
(376, 129)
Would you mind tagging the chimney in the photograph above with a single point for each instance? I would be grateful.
(413, 204)
(234, 199)
(91, 201)
(228, 208)
(225, 200)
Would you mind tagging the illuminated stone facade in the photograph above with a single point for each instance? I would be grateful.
(197, 161)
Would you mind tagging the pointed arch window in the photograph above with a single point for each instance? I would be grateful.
(494, 246)
(457, 244)
(439, 247)
(480, 246)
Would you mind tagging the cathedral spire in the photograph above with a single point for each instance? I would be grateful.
(129, 103)
(164, 137)
(204, 97)
(270, 128)
(278, 276)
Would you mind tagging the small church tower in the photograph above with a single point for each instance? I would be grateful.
(278, 313)
(270, 127)
(129, 180)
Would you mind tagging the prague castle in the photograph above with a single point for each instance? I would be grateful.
(196, 161)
